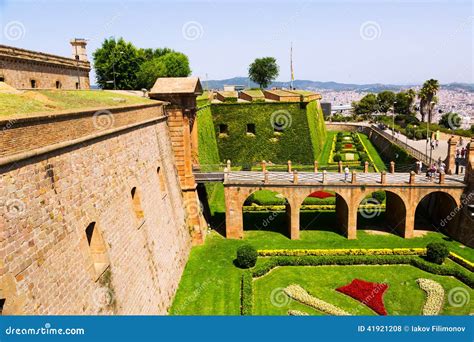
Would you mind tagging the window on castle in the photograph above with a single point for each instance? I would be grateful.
(58, 85)
(33, 84)
(137, 206)
(2, 78)
(223, 129)
(2, 305)
(77, 85)
(250, 128)
(161, 179)
(97, 249)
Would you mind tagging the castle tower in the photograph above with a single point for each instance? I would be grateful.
(79, 49)
(181, 93)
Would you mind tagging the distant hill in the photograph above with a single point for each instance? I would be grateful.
(313, 85)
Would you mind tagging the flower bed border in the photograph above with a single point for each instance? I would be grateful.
(457, 271)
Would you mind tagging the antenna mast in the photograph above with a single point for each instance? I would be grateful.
(291, 67)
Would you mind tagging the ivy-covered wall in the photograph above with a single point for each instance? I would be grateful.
(299, 140)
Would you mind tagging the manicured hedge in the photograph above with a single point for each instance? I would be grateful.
(454, 270)
(246, 297)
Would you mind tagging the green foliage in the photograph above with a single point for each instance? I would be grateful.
(263, 71)
(265, 197)
(379, 196)
(367, 105)
(295, 142)
(427, 96)
(385, 100)
(136, 68)
(337, 157)
(246, 256)
(404, 102)
(246, 294)
(119, 56)
(437, 252)
(450, 120)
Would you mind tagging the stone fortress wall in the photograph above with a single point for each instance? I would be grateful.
(92, 216)
(25, 69)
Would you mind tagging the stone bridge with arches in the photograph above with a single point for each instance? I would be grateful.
(404, 192)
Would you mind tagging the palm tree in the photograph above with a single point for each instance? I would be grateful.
(427, 97)
(411, 95)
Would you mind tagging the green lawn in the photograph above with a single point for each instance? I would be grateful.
(210, 284)
(372, 151)
(42, 101)
(403, 297)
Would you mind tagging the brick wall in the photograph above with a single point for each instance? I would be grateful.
(48, 201)
(18, 67)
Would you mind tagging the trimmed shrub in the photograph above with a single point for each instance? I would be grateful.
(379, 196)
(337, 157)
(246, 256)
(437, 252)
(246, 297)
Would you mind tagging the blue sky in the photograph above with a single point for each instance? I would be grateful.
(345, 41)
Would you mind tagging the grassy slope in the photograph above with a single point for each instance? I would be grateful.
(317, 127)
(373, 152)
(52, 101)
(209, 158)
(211, 283)
(403, 297)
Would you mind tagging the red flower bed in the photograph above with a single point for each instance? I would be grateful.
(370, 294)
(348, 145)
(321, 194)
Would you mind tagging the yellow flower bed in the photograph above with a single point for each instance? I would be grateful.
(328, 252)
(461, 261)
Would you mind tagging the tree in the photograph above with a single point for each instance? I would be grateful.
(119, 60)
(263, 71)
(450, 120)
(427, 96)
(385, 100)
(171, 64)
(176, 64)
(149, 72)
(404, 102)
(367, 105)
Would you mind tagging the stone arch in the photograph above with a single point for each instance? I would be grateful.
(341, 221)
(395, 204)
(437, 211)
(272, 220)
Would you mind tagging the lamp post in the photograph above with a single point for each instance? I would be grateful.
(432, 103)
(113, 68)
(393, 119)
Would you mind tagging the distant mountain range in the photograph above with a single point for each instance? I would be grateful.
(313, 85)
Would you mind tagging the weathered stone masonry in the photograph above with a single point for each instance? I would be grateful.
(84, 174)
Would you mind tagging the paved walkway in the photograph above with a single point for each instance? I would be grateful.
(439, 152)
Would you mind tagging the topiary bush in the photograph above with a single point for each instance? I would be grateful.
(246, 256)
(337, 157)
(437, 252)
(379, 196)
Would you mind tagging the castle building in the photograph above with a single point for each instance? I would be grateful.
(25, 69)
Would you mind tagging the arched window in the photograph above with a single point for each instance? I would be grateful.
(137, 206)
(58, 85)
(33, 84)
(97, 248)
(2, 305)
